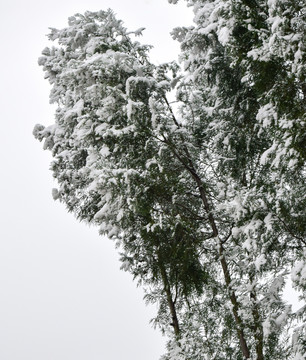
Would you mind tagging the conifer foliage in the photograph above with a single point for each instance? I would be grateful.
(205, 199)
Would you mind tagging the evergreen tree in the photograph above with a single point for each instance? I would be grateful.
(205, 200)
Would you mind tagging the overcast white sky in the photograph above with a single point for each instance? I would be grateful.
(62, 295)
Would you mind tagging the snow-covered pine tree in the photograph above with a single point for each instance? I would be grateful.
(244, 96)
(111, 157)
(205, 202)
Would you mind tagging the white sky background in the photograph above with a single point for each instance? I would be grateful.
(62, 295)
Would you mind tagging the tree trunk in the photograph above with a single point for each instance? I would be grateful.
(171, 302)
(232, 295)
(258, 331)
(188, 165)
